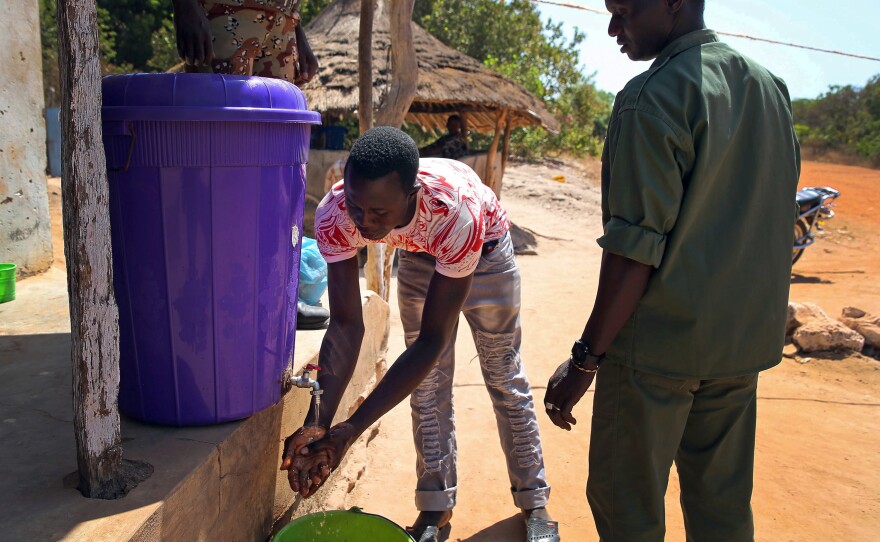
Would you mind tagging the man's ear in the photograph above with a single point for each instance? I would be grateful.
(675, 6)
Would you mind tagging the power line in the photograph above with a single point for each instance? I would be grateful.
(808, 47)
(731, 34)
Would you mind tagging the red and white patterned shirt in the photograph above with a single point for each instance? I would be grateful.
(456, 213)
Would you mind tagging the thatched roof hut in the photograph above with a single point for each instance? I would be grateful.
(449, 81)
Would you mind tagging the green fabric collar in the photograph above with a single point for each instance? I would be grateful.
(683, 43)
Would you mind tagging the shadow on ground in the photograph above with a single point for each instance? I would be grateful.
(797, 278)
(512, 528)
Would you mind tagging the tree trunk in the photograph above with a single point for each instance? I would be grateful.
(375, 252)
(94, 318)
(404, 67)
(365, 66)
(489, 177)
(396, 103)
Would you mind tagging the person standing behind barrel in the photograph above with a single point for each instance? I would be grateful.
(244, 37)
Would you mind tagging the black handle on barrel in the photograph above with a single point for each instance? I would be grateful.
(125, 167)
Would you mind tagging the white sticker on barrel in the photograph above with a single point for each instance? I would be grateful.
(294, 236)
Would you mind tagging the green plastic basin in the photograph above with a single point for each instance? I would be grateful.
(7, 282)
(342, 526)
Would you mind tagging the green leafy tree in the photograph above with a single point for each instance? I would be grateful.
(844, 119)
(309, 9)
(134, 22)
(49, 36)
(510, 38)
(163, 44)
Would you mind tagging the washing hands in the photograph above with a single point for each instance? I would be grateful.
(311, 453)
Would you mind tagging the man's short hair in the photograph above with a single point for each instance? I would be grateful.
(382, 150)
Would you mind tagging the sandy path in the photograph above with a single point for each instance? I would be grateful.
(842, 267)
(817, 472)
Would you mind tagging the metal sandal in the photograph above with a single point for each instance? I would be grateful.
(542, 530)
(432, 533)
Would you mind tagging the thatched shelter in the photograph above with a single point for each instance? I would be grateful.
(449, 81)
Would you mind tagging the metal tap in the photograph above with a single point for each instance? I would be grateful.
(303, 381)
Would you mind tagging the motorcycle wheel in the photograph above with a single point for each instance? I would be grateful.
(800, 230)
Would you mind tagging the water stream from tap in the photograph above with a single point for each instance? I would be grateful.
(317, 406)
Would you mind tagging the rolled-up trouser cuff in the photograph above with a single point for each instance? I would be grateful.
(436, 501)
(531, 498)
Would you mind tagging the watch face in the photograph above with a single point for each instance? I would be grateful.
(579, 351)
(583, 358)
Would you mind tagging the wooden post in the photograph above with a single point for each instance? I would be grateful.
(395, 104)
(365, 67)
(94, 317)
(464, 126)
(404, 67)
(505, 153)
(489, 177)
(388, 263)
(404, 78)
(375, 252)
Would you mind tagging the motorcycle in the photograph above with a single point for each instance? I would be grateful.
(814, 204)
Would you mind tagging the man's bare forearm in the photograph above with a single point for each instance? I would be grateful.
(404, 376)
(337, 359)
(622, 283)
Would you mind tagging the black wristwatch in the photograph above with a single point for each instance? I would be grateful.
(583, 359)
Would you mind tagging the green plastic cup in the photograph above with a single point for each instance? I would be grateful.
(7, 282)
(342, 526)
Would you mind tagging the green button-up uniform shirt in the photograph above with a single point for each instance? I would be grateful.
(699, 174)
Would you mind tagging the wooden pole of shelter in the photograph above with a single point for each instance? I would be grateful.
(94, 316)
(489, 177)
(505, 153)
(464, 127)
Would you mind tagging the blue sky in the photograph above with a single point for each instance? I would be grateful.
(845, 25)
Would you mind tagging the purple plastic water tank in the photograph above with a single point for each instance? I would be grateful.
(207, 182)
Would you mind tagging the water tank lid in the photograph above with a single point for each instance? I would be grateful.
(203, 97)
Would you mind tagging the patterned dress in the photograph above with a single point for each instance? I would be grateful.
(254, 37)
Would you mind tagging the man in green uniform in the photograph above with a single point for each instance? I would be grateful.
(699, 174)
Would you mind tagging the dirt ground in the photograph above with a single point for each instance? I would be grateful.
(817, 471)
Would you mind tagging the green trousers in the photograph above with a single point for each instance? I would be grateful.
(643, 422)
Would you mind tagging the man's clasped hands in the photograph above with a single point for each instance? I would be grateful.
(311, 453)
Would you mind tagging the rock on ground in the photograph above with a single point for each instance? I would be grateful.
(867, 325)
(812, 330)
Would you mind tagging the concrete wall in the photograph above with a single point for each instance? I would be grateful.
(25, 232)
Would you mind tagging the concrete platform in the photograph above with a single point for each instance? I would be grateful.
(210, 483)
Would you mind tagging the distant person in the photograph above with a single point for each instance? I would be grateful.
(244, 37)
(693, 289)
(452, 145)
(334, 174)
(456, 258)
